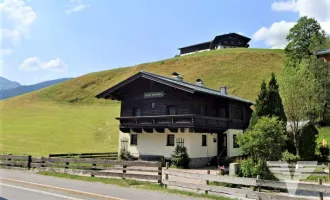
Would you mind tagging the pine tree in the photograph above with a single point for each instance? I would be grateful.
(268, 103)
(276, 108)
(261, 105)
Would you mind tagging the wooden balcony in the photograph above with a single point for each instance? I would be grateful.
(195, 122)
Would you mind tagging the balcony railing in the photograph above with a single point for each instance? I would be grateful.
(173, 121)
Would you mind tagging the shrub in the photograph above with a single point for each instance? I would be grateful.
(307, 142)
(289, 157)
(250, 169)
(125, 155)
(180, 157)
(324, 153)
(264, 140)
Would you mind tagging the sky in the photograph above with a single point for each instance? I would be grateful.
(49, 39)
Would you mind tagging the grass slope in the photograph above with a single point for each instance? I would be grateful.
(68, 118)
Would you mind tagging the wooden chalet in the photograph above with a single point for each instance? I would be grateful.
(158, 113)
(324, 54)
(230, 40)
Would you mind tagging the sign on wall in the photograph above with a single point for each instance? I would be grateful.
(153, 94)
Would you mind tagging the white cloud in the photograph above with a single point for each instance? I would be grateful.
(19, 17)
(274, 36)
(34, 63)
(5, 52)
(76, 6)
(285, 6)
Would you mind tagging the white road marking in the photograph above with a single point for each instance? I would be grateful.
(39, 191)
(62, 189)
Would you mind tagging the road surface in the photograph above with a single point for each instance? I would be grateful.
(19, 185)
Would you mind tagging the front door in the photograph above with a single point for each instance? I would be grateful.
(222, 144)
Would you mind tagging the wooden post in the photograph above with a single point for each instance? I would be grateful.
(124, 170)
(160, 173)
(166, 175)
(329, 171)
(321, 194)
(29, 162)
(207, 182)
(93, 168)
(259, 189)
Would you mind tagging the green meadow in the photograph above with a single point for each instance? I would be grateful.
(67, 118)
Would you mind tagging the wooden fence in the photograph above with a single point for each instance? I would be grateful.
(10, 161)
(244, 187)
(107, 155)
(140, 170)
(298, 171)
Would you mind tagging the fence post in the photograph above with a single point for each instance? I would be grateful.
(321, 194)
(207, 182)
(93, 168)
(160, 173)
(29, 162)
(124, 170)
(66, 167)
(329, 170)
(259, 189)
(166, 175)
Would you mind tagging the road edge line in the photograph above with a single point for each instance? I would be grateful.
(62, 189)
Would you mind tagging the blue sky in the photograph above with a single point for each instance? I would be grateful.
(48, 39)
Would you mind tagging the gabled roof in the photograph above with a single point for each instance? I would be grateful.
(322, 52)
(209, 42)
(216, 38)
(188, 87)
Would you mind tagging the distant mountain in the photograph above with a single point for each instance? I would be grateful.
(22, 89)
(7, 84)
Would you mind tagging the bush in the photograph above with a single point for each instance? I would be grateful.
(289, 157)
(125, 155)
(264, 140)
(307, 142)
(250, 169)
(180, 157)
(324, 153)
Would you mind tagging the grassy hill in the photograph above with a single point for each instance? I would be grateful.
(68, 118)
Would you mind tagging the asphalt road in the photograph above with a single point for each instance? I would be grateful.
(19, 185)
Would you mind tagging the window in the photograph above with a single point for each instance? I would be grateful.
(235, 144)
(204, 140)
(204, 110)
(170, 140)
(171, 110)
(222, 112)
(238, 114)
(136, 112)
(134, 139)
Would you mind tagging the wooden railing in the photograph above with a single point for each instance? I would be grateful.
(163, 121)
(108, 155)
(243, 185)
(10, 161)
(139, 170)
(283, 170)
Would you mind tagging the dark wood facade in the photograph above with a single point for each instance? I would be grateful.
(227, 40)
(148, 104)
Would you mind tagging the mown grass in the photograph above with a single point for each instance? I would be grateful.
(42, 128)
(133, 183)
(67, 118)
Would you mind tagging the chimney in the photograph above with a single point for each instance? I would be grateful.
(223, 90)
(177, 76)
(199, 82)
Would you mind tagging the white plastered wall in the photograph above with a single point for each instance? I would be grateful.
(231, 151)
(155, 144)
